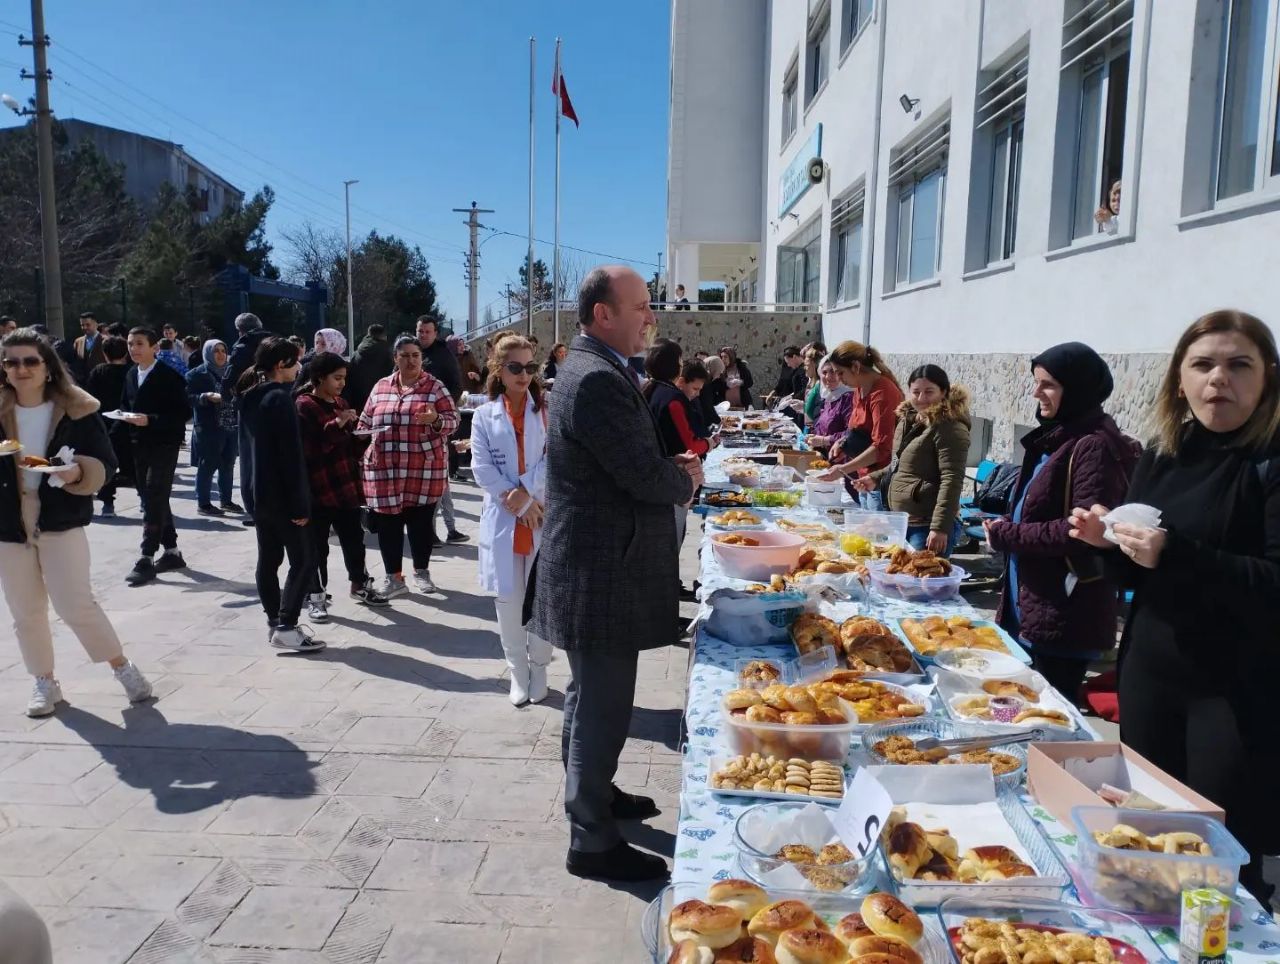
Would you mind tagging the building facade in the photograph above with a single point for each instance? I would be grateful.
(938, 177)
(150, 162)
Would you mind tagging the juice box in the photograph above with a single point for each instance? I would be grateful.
(1206, 913)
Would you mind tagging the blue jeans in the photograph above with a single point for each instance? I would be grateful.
(916, 536)
(217, 451)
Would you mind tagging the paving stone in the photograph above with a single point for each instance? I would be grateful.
(144, 882)
(510, 801)
(267, 815)
(427, 865)
(411, 943)
(57, 766)
(392, 730)
(287, 917)
(33, 851)
(377, 776)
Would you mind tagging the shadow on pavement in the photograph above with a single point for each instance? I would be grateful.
(208, 582)
(180, 763)
(406, 630)
(406, 669)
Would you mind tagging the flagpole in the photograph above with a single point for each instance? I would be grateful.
(529, 268)
(555, 260)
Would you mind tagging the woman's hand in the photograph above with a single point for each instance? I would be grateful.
(72, 474)
(837, 447)
(989, 526)
(1087, 526)
(864, 484)
(818, 441)
(833, 474)
(346, 417)
(427, 416)
(1142, 544)
(515, 500)
(936, 541)
(474, 376)
(535, 516)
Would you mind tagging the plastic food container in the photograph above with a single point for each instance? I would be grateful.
(882, 528)
(821, 742)
(915, 588)
(1130, 942)
(944, 730)
(977, 663)
(823, 493)
(778, 552)
(1151, 884)
(856, 875)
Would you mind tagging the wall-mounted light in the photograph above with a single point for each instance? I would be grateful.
(792, 214)
(908, 103)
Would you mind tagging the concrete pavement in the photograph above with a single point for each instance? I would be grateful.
(379, 801)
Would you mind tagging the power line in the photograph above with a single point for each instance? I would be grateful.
(598, 254)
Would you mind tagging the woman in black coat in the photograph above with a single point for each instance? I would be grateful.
(1199, 659)
(44, 552)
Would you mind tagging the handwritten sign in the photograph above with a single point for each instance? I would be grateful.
(862, 813)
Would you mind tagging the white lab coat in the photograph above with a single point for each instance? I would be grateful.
(495, 465)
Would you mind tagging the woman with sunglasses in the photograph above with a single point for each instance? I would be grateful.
(277, 491)
(44, 552)
(508, 457)
(411, 414)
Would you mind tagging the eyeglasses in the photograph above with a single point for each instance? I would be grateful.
(515, 368)
(25, 361)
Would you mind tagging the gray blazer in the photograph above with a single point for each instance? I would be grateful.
(608, 571)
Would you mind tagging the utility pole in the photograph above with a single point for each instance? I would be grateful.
(39, 44)
(473, 261)
(657, 281)
(351, 295)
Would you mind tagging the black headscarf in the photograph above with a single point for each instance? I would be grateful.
(1085, 379)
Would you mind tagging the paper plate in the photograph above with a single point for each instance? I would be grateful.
(118, 415)
(366, 432)
(44, 469)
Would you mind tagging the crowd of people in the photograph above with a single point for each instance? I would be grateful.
(588, 469)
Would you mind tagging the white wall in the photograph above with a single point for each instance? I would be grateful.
(1133, 293)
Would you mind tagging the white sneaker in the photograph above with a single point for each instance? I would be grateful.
(298, 638)
(46, 694)
(393, 586)
(135, 684)
(422, 581)
(318, 607)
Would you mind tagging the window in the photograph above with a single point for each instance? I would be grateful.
(1000, 114)
(854, 17)
(1095, 50)
(846, 231)
(790, 113)
(918, 173)
(800, 265)
(817, 59)
(1242, 105)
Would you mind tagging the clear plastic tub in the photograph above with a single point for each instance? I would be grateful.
(822, 742)
(943, 730)
(1151, 884)
(882, 528)
(775, 553)
(854, 876)
(916, 588)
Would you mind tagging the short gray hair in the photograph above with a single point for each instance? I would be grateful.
(596, 289)
(248, 321)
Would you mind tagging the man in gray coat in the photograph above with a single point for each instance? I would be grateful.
(607, 575)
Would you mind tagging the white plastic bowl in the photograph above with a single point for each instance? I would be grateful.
(777, 553)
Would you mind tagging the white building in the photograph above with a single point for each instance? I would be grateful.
(965, 147)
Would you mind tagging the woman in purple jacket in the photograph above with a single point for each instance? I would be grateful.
(836, 404)
(1056, 597)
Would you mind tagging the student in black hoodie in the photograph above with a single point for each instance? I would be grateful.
(155, 396)
(276, 490)
(106, 384)
(673, 410)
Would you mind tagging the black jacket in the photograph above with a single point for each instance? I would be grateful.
(660, 397)
(440, 360)
(792, 382)
(371, 362)
(273, 480)
(712, 395)
(76, 424)
(162, 397)
(241, 359)
(200, 382)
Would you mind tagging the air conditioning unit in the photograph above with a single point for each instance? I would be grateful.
(817, 170)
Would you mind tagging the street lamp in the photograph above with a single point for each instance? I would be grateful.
(351, 301)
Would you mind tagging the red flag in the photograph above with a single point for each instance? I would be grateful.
(566, 105)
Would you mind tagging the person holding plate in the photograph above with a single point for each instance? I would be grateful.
(216, 434)
(1198, 658)
(44, 551)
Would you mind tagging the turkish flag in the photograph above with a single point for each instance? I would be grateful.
(566, 105)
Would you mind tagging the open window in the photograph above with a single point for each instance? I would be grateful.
(917, 182)
(817, 55)
(999, 122)
(846, 246)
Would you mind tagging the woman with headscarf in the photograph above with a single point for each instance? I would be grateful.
(332, 340)
(737, 378)
(836, 405)
(1056, 597)
(214, 436)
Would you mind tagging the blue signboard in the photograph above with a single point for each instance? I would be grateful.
(795, 176)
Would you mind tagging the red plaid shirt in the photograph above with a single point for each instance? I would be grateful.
(331, 451)
(406, 465)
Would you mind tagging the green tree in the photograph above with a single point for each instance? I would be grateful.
(541, 279)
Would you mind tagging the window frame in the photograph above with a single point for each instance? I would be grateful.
(817, 39)
(1266, 161)
(790, 90)
(907, 192)
(1104, 62)
(849, 10)
(1011, 177)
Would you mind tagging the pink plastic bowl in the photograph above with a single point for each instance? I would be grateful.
(777, 553)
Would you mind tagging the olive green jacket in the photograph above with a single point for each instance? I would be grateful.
(929, 454)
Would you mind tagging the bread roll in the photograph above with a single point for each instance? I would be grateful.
(704, 924)
(746, 950)
(783, 915)
(741, 699)
(801, 699)
(742, 895)
(850, 927)
(891, 946)
(908, 848)
(890, 917)
(690, 952)
(763, 714)
(809, 946)
(979, 859)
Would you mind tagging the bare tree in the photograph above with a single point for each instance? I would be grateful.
(572, 270)
(311, 256)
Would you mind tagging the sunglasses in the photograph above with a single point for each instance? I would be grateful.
(26, 361)
(515, 368)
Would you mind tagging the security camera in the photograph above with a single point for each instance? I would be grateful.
(908, 103)
(11, 103)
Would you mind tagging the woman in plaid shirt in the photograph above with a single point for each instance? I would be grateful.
(333, 469)
(412, 414)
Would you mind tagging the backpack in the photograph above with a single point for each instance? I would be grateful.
(993, 495)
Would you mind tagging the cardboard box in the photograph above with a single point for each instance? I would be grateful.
(797, 459)
(1065, 775)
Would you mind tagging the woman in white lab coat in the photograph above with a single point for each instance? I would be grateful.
(508, 459)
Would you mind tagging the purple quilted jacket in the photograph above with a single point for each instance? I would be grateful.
(1100, 458)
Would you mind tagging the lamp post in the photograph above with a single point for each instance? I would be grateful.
(351, 295)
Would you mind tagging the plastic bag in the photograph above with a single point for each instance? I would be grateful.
(753, 619)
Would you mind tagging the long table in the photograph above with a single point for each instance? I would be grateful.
(705, 850)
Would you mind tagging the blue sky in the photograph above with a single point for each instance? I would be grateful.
(425, 102)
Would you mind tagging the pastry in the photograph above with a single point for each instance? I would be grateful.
(1042, 715)
(763, 714)
(924, 564)
(812, 631)
(33, 461)
(934, 633)
(809, 946)
(9, 446)
(746, 950)
(908, 848)
(1125, 877)
(981, 941)
(704, 924)
(890, 946)
(760, 671)
(783, 915)
(796, 854)
(742, 895)
(801, 699)
(835, 853)
(850, 927)
(740, 699)
(888, 916)
(690, 952)
(1008, 687)
(998, 861)
(737, 539)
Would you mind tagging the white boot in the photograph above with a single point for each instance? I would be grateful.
(540, 653)
(518, 664)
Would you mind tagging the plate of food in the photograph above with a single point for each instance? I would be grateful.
(1008, 711)
(117, 415)
(37, 463)
(369, 432)
(934, 634)
(736, 519)
(726, 498)
(776, 778)
(10, 446)
(894, 744)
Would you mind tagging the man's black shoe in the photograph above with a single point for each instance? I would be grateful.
(144, 570)
(247, 520)
(231, 507)
(621, 862)
(208, 508)
(631, 806)
(688, 595)
(170, 561)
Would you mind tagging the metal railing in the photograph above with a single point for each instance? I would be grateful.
(742, 307)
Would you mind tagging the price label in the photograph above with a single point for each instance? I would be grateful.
(862, 813)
